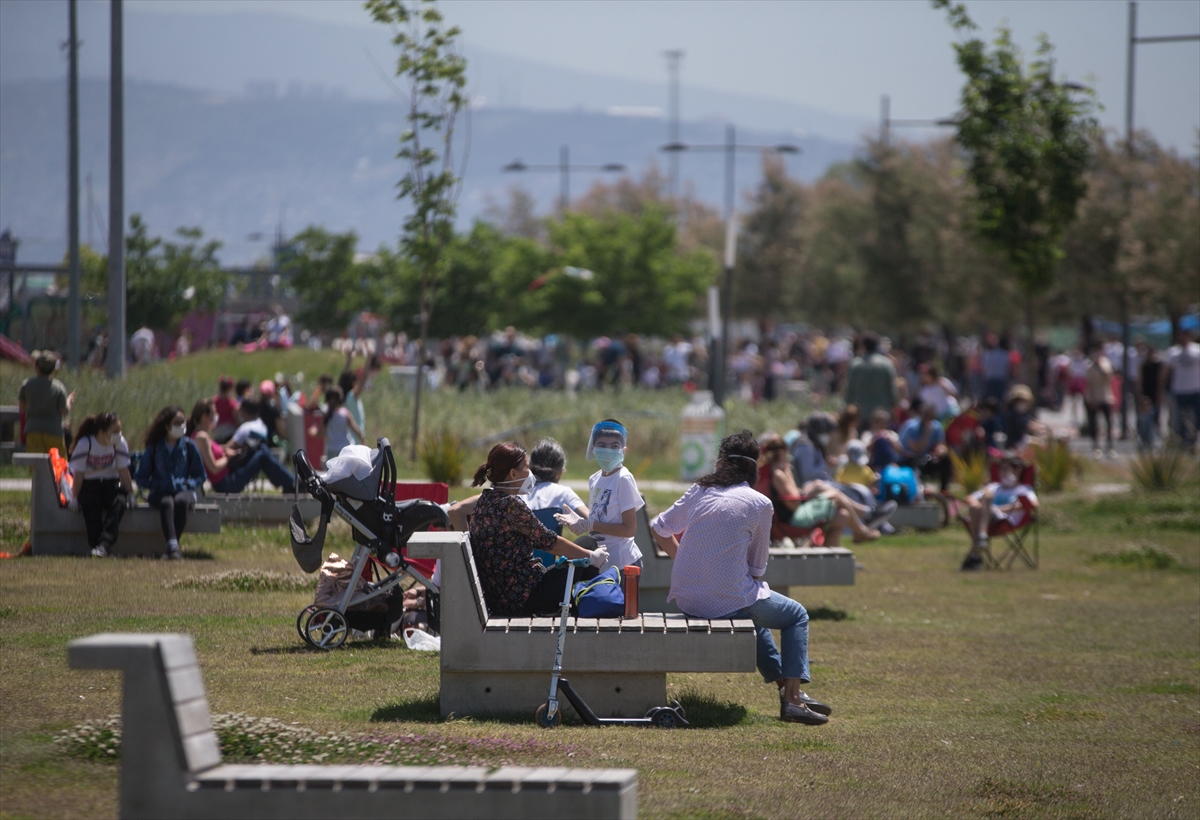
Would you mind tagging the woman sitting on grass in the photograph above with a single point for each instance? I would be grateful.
(102, 486)
(226, 471)
(171, 470)
(504, 534)
(719, 563)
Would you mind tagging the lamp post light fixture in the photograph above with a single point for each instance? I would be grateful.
(724, 306)
(887, 123)
(564, 168)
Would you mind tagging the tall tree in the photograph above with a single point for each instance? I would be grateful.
(771, 252)
(332, 286)
(435, 76)
(1028, 140)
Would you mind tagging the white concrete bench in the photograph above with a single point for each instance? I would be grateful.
(502, 665)
(171, 761)
(262, 508)
(813, 566)
(924, 516)
(56, 531)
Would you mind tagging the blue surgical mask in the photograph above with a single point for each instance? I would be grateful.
(609, 460)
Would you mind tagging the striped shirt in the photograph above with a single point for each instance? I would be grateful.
(725, 547)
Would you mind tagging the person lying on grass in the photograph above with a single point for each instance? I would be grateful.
(719, 563)
(504, 535)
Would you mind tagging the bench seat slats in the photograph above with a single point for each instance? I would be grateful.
(543, 625)
(610, 624)
(587, 624)
(519, 624)
(743, 626)
(631, 626)
(496, 625)
(721, 626)
(653, 622)
(697, 625)
(675, 622)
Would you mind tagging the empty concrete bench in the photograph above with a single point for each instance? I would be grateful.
(171, 761)
(923, 516)
(812, 566)
(262, 508)
(57, 531)
(502, 665)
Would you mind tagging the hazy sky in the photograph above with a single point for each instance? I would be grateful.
(840, 56)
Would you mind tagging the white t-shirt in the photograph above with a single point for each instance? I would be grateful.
(609, 497)
(279, 329)
(1185, 368)
(254, 428)
(1003, 496)
(549, 495)
(676, 358)
(94, 460)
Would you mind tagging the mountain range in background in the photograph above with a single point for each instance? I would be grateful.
(236, 128)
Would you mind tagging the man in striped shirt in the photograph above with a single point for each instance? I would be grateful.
(719, 563)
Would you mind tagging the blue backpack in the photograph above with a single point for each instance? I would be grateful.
(601, 597)
(898, 484)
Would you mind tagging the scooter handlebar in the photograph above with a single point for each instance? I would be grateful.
(579, 562)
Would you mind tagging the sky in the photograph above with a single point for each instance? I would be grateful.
(838, 56)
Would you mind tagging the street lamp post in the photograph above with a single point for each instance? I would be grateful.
(887, 123)
(721, 337)
(1130, 60)
(564, 169)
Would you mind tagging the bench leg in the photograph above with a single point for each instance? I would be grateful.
(609, 694)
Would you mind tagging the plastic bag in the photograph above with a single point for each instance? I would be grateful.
(353, 460)
(421, 640)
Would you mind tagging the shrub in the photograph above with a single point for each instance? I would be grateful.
(971, 472)
(1143, 557)
(1164, 470)
(1055, 463)
(443, 456)
(245, 580)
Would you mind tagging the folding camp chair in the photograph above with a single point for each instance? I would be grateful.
(1018, 539)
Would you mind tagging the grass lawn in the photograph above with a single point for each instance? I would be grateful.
(1070, 691)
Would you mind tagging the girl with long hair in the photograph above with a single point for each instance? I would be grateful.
(224, 472)
(102, 485)
(171, 471)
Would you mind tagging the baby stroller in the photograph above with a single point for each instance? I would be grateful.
(380, 526)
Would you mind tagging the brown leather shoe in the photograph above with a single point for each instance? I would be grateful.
(800, 713)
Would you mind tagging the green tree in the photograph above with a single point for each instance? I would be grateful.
(1027, 142)
(164, 280)
(332, 287)
(435, 77)
(767, 283)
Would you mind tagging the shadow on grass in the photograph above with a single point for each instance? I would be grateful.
(190, 554)
(706, 712)
(828, 613)
(304, 649)
(421, 710)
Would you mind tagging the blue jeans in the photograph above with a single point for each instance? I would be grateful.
(261, 462)
(791, 619)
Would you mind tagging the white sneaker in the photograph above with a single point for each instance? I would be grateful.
(99, 551)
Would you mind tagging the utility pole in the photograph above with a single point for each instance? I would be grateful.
(885, 119)
(74, 320)
(564, 177)
(116, 200)
(1130, 61)
(564, 168)
(673, 59)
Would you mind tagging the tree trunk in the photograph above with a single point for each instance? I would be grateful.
(416, 431)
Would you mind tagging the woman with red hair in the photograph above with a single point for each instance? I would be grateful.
(504, 534)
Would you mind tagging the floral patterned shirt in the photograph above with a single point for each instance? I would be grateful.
(504, 534)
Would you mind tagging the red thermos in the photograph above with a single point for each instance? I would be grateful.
(631, 576)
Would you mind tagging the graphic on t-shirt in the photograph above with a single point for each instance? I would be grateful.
(600, 507)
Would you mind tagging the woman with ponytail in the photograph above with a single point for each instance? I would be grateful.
(102, 487)
(504, 534)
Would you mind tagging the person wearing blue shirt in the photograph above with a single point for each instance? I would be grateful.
(171, 471)
(923, 443)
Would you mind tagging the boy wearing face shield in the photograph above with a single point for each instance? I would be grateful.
(613, 498)
(998, 502)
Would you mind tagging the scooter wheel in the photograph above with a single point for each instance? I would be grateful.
(663, 718)
(545, 720)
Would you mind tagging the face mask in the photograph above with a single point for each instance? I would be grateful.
(527, 484)
(1008, 480)
(610, 460)
(177, 430)
(823, 439)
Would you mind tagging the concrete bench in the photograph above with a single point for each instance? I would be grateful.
(813, 566)
(56, 531)
(924, 516)
(258, 508)
(502, 665)
(171, 761)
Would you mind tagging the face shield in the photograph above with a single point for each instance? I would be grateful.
(608, 432)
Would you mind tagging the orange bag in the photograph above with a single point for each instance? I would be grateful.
(60, 469)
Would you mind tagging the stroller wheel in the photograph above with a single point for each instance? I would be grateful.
(543, 717)
(302, 620)
(327, 629)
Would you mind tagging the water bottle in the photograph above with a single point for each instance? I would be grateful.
(629, 582)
